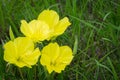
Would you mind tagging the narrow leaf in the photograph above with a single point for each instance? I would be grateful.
(11, 34)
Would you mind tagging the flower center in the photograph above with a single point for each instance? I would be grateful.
(18, 59)
(52, 63)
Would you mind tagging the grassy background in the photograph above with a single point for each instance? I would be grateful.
(95, 30)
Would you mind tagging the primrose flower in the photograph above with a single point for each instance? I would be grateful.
(56, 57)
(21, 52)
(36, 30)
(56, 26)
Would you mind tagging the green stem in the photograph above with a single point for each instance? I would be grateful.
(52, 75)
(21, 73)
(49, 76)
(35, 73)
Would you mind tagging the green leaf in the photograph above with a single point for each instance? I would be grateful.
(75, 45)
(12, 37)
(113, 69)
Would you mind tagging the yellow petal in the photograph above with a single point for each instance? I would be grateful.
(10, 52)
(64, 59)
(58, 68)
(56, 58)
(23, 44)
(49, 68)
(65, 56)
(40, 30)
(50, 17)
(25, 29)
(32, 57)
(21, 52)
(51, 50)
(45, 60)
(21, 64)
(36, 30)
(61, 26)
(49, 55)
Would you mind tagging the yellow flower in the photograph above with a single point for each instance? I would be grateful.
(56, 57)
(56, 26)
(21, 52)
(36, 30)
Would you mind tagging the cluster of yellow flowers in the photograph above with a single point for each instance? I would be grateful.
(22, 52)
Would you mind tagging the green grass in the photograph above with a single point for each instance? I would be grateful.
(95, 33)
